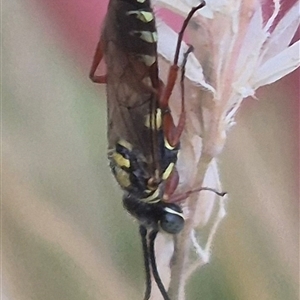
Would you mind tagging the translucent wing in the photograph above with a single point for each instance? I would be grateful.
(129, 45)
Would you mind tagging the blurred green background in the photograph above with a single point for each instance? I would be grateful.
(64, 232)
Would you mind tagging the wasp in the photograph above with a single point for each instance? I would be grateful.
(143, 141)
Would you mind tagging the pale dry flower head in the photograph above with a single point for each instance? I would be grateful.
(239, 46)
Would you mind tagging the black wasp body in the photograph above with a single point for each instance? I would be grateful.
(143, 141)
(140, 157)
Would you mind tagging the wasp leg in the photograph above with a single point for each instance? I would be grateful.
(99, 79)
(171, 185)
(183, 196)
(176, 131)
(171, 131)
(96, 61)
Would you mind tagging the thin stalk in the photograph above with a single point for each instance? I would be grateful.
(182, 242)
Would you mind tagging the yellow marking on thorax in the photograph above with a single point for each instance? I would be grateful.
(152, 198)
(120, 160)
(168, 171)
(122, 177)
(168, 146)
(144, 16)
(140, 1)
(125, 144)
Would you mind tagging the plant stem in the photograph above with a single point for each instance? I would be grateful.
(182, 241)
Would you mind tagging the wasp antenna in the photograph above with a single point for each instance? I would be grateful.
(184, 25)
(143, 233)
(152, 237)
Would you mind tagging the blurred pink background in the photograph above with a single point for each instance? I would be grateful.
(65, 233)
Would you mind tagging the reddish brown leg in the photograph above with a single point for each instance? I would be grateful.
(96, 61)
(171, 185)
(185, 195)
(171, 131)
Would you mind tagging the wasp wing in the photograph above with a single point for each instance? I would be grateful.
(132, 78)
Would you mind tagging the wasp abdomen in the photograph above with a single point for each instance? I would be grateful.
(136, 29)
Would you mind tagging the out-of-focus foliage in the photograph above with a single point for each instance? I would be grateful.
(65, 234)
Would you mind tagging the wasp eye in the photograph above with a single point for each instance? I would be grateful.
(172, 222)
